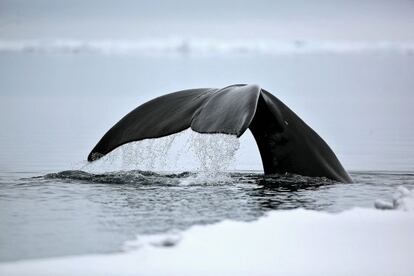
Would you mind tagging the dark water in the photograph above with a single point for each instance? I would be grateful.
(55, 107)
(75, 212)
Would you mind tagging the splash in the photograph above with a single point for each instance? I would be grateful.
(210, 155)
(145, 155)
(148, 154)
(215, 152)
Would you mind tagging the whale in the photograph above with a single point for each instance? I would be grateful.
(286, 143)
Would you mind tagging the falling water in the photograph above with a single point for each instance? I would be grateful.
(210, 155)
(215, 152)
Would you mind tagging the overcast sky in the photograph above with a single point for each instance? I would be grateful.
(379, 20)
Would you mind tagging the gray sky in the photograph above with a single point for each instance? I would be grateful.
(363, 20)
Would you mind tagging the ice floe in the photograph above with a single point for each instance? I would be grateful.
(201, 46)
(293, 242)
(403, 199)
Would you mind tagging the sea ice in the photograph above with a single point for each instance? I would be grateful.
(403, 199)
(293, 242)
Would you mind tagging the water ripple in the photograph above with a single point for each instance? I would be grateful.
(51, 214)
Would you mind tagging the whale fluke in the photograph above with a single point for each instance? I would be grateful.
(286, 143)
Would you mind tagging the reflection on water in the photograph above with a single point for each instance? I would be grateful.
(75, 212)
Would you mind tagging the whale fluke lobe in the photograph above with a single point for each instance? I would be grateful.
(159, 117)
(286, 143)
(229, 110)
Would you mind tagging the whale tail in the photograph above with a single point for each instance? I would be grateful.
(285, 142)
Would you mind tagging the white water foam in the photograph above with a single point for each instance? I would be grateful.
(197, 46)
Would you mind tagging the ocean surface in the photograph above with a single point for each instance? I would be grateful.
(75, 213)
(56, 104)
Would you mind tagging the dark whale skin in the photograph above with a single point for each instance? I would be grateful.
(286, 143)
